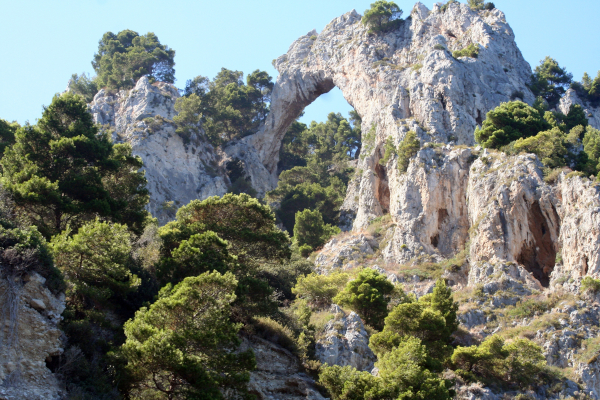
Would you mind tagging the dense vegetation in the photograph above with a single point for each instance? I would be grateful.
(159, 312)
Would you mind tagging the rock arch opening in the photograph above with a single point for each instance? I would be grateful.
(538, 253)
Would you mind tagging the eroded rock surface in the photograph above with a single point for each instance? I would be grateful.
(178, 169)
(29, 337)
(345, 342)
(278, 373)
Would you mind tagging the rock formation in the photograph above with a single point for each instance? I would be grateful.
(178, 170)
(29, 338)
(345, 342)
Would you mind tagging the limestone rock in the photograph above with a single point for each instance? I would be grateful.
(345, 342)
(178, 170)
(28, 336)
(571, 98)
(278, 373)
(402, 80)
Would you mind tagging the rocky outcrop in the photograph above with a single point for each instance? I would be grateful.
(345, 342)
(178, 169)
(403, 80)
(29, 338)
(570, 98)
(278, 373)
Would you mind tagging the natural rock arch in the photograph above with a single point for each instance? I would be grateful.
(399, 81)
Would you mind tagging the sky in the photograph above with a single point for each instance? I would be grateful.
(44, 42)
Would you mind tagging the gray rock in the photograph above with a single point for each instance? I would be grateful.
(345, 342)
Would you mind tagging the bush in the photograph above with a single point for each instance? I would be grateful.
(368, 295)
(471, 50)
(549, 146)
(382, 16)
(590, 285)
(125, 57)
(389, 151)
(439, 47)
(310, 229)
(591, 148)
(444, 7)
(476, 4)
(519, 363)
(319, 290)
(408, 148)
(508, 122)
(275, 332)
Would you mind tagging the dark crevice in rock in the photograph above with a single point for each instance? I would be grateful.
(479, 119)
(383, 190)
(538, 254)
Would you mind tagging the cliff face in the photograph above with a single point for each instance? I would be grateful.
(178, 170)
(29, 338)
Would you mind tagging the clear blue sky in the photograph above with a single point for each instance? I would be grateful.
(44, 42)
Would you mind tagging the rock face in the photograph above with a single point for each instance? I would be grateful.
(345, 342)
(278, 373)
(29, 337)
(403, 80)
(178, 170)
(571, 98)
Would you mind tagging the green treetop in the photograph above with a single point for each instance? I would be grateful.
(184, 345)
(382, 16)
(125, 57)
(550, 81)
(63, 171)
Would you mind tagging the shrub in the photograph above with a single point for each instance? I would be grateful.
(444, 7)
(319, 290)
(590, 285)
(591, 148)
(520, 362)
(407, 149)
(549, 146)
(509, 122)
(471, 50)
(439, 46)
(310, 229)
(275, 332)
(476, 4)
(389, 151)
(382, 16)
(368, 295)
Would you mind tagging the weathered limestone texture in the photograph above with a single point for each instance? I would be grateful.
(29, 336)
(345, 342)
(178, 170)
(571, 98)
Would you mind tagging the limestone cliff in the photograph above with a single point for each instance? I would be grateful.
(29, 338)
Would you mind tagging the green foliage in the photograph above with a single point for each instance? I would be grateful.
(550, 81)
(548, 146)
(227, 107)
(508, 122)
(94, 262)
(283, 277)
(389, 151)
(7, 134)
(84, 86)
(407, 149)
(183, 346)
(319, 290)
(310, 229)
(368, 295)
(588, 89)
(471, 50)
(63, 171)
(402, 375)
(273, 331)
(591, 147)
(202, 252)
(23, 251)
(432, 319)
(575, 117)
(383, 16)
(318, 158)
(252, 239)
(518, 363)
(590, 285)
(125, 57)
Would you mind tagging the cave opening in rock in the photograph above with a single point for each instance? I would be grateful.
(383, 190)
(538, 254)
